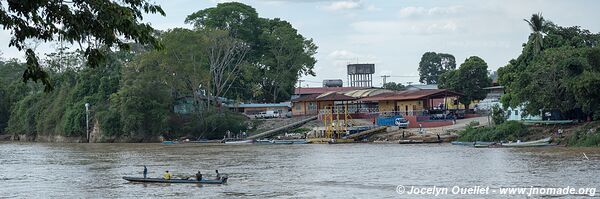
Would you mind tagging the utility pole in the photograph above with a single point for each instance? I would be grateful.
(384, 78)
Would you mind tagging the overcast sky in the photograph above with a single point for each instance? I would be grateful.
(394, 34)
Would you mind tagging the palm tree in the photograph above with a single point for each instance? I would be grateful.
(537, 24)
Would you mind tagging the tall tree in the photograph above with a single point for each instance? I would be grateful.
(470, 79)
(537, 25)
(96, 26)
(225, 58)
(433, 65)
(287, 56)
(560, 78)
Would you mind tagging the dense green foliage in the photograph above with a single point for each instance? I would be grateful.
(498, 115)
(99, 25)
(469, 79)
(507, 131)
(278, 55)
(433, 65)
(585, 136)
(558, 69)
(133, 94)
(394, 86)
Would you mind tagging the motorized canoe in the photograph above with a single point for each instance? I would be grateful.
(535, 143)
(240, 142)
(160, 180)
(419, 141)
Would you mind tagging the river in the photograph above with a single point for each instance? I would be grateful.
(67, 170)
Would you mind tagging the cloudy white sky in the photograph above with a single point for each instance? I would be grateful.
(394, 34)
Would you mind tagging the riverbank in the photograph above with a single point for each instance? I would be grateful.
(585, 134)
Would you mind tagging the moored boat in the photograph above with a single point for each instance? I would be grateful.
(240, 142)
(535, 143)
(223, 180)
(419, 141)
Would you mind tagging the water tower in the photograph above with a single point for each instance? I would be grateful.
(361, 75)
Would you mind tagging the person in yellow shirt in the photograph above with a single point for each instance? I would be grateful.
(167, 175)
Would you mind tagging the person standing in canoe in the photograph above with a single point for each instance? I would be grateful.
(199, 176)
(167, 175)
(145, 171)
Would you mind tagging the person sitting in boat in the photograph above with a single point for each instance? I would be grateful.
(198, 176)
(218, 175)
(167, 175)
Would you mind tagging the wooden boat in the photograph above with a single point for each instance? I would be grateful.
(288, 142)
(262, 141)
(281, 142)
(240, 142)
(462, 143)
(535, 143)
(223, 180)
(419, 142)
(170, 142)
(477, 144)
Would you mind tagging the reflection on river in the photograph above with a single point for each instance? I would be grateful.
(40, 170)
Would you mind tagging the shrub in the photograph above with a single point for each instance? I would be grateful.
(510, 130)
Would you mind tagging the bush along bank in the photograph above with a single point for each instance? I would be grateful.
(587, 135)
(507, 131)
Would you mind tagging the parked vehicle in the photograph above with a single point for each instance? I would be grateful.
(268, 114)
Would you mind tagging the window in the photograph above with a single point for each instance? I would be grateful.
(517, 112)
(312, 106)
(298, 107)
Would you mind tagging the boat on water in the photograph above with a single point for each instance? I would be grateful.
(170, 142)
(475, 144)
(240, 142)
(535, 143)
(419, 141)
(288, 141)
(223, 180)
(263, 141)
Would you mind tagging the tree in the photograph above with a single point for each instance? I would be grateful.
(287, 56)
(278, 54)
(498, 115)
(225, 57)
(558, 79)
(537, 24)
(433, 64)
(394, 86)
(96, 26)
(470, 79)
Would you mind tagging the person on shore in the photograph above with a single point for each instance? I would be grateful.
(420, 128)
(218, 174)
(145, 171)
(167, 175)
(438, 136)
(199, 176)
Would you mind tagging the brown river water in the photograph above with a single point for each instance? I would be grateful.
(65, 170)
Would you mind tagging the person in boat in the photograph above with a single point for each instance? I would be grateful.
(167, 175)
(145, 171)
(199, 176)
(218, 174)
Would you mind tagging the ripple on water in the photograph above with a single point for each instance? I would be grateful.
(282, 171)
